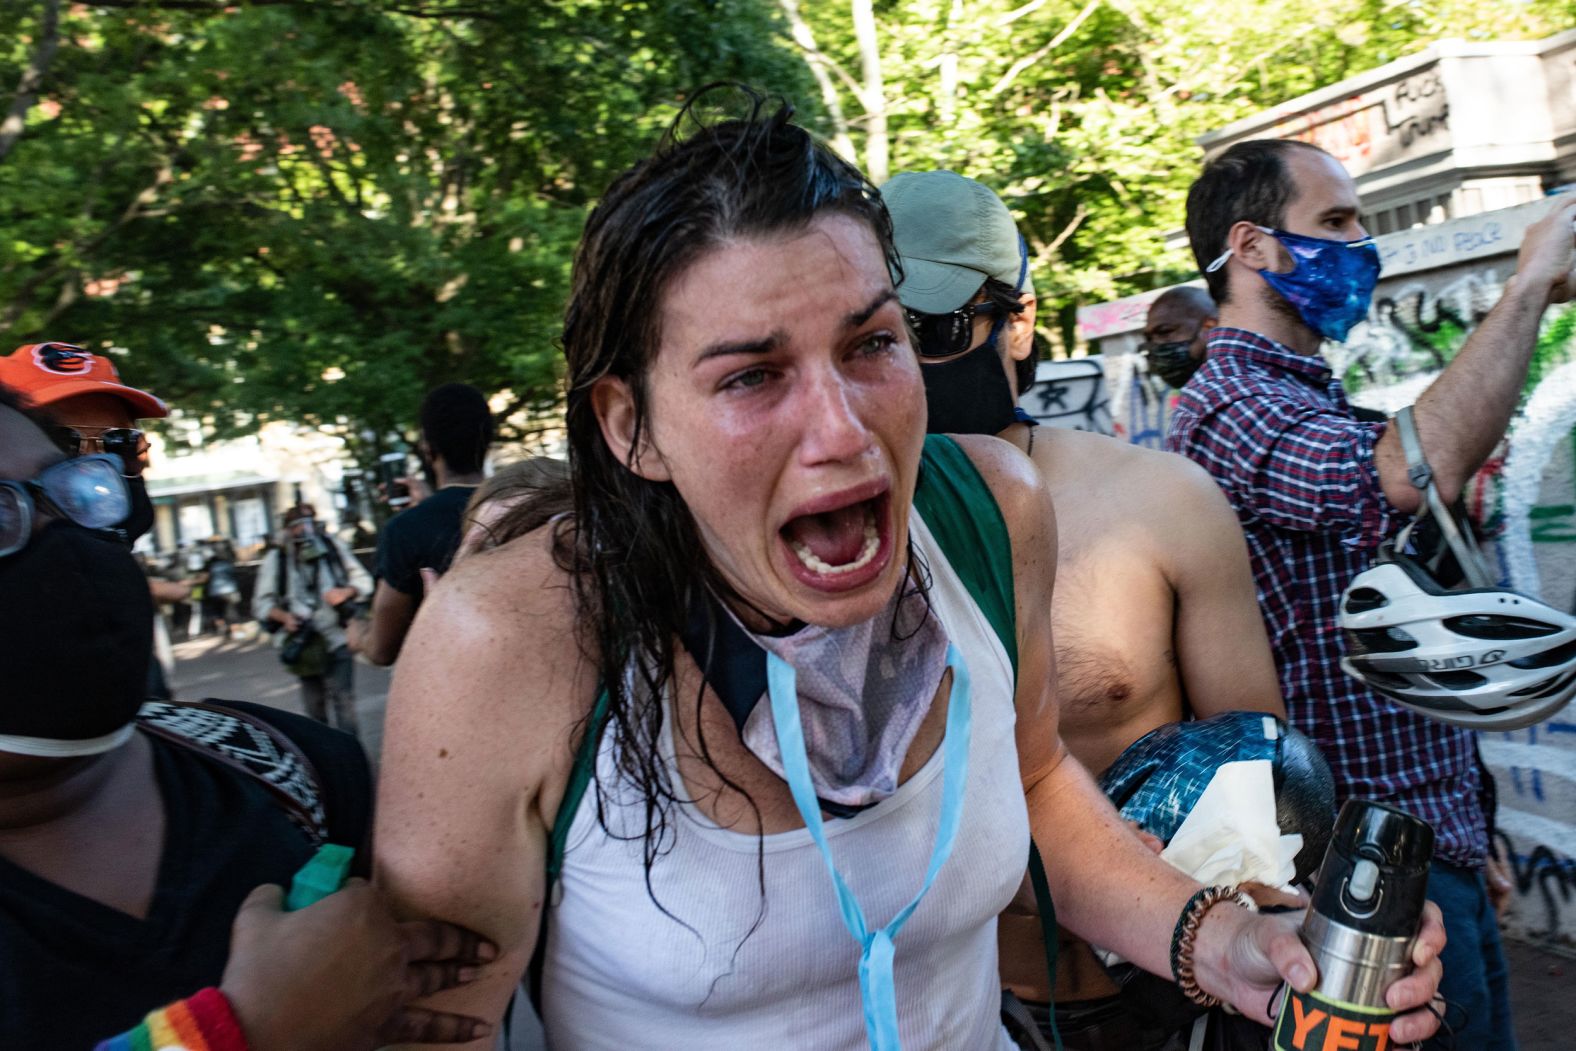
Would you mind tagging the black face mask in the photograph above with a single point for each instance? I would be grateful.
(1173, 362)
(970, 394)
(77, 621)
(139, 519)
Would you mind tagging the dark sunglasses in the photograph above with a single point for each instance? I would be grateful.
(89, 491)
(943, 335)
(128, 443)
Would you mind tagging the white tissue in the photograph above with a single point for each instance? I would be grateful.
(1230, 835)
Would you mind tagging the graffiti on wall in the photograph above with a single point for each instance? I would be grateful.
(1414, 328)
(1386, 124)
(1070, 393)
(1524, 502)
(1140, 404)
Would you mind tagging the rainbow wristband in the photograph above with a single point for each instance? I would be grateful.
(203, 1022)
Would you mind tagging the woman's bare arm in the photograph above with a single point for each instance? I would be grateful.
(488, 691)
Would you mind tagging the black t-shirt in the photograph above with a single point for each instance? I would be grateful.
(424, 537)
(74, 971)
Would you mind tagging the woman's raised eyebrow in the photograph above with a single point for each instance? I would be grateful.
(859, 317)
(743, 346)
(770, 343)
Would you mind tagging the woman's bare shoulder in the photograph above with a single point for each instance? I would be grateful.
(495, 650)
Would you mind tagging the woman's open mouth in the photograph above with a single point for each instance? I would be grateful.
(840, 542)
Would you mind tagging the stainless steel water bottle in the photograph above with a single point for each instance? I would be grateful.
(1360, 928)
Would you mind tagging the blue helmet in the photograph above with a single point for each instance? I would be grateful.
(1158, 778)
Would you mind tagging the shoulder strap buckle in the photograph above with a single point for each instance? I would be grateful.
(1417, 470)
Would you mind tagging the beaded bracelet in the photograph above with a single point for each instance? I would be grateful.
(1186, 933)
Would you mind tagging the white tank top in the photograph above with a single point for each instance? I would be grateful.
(729, 969)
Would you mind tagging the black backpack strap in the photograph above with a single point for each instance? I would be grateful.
(336, 563)
(245, 743)
(1047, 907)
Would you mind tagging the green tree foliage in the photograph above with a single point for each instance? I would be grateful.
(317, 211)
(1084, 114)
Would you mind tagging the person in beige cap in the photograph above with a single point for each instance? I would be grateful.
(1154, 616)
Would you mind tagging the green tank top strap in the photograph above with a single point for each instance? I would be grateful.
(957, 506)
(558, 837)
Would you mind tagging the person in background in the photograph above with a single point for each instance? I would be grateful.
(90, 410)
(221, 588)
(312, 586)
(130, 852)
(495, 514)
(1275, 226)
(456, 431)
(1153, 616)
(1175, 333)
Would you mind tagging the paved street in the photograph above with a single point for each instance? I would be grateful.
(1543, 985)
(250, 671)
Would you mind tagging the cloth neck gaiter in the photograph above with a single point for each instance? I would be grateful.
(863, 691)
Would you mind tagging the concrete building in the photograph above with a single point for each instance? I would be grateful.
(237, 488)
(1457, 129)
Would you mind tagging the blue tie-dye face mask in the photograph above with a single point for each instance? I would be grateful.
(1332, 283)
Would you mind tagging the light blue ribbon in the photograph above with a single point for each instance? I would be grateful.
(877, 990)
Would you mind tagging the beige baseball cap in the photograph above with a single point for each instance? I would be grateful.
(951, 233)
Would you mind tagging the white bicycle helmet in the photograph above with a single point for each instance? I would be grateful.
(1477, 655)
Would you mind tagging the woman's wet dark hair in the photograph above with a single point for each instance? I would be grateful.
(630, 545)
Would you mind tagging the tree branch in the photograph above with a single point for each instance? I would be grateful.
(1012, 16)
(819, 64)
(1043, 252)
(21, 298)
(1055, 42)
(32, 77)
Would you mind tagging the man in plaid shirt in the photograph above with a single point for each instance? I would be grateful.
(1274, 225)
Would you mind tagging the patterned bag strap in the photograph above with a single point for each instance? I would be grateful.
(246, 743)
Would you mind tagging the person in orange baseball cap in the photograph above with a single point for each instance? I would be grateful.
(93, 410)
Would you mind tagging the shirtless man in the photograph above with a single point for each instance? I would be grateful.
(1154, 615)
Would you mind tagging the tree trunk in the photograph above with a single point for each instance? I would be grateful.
(947, 97)
(821, 68)
(27, 89)
(873, 93)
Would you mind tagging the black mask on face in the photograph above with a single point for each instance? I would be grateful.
(77, 621)
(1173, 362)
(970, 394)
(140, 518)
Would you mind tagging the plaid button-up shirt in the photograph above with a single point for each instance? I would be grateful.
(1274, 429)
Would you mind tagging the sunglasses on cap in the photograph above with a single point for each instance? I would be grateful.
(89, 491)
(128, 443)
(943, 335)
